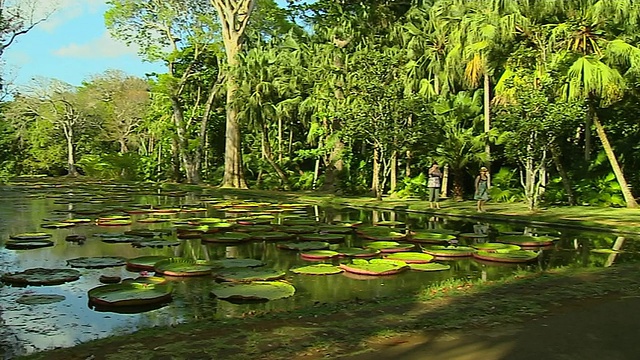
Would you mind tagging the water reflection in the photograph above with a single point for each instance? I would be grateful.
(30, 328)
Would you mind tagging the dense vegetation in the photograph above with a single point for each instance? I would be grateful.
(352, 96)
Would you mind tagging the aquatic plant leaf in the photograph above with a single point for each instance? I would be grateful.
(429, 267)
(144, 262)
(389, 246)
(30, 236)
(257, 290)
(155, 243)
(57, 225)
(330, 238)
(318, 269)
(495, 247)
(606, 251)
(236, 263)
(516, 256)
(298, 229)
(319, 254)
(226, 237)
(131, 292)
(430, 237)
(410, 257)
(527, 240)
(27, 244)
(379, 233)
(310, 245)
(41, 276)
(97, 262)
(273, 235)
(357, 252)
(249, 274)
(449, 251)
(374, 267)
(183, 267)
(40, 299)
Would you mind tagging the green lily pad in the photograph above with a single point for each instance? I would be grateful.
(143, 233)
(77, 221)
(183, 267)
(335, 229)
(254, 228)
(57, 225)
(375, 267)
(310, 245)
(330, 238)
(144, 262)
(115, 223)
(357, 252)
(30, 236)
(226, 237)
(516, 256)
(249, 220)
(496, 247)
(319, 254)
(379, 233)
(155, 243)
(410, 257)
(236, 263)
(318, 269)
(390, 223)
(27, 244)
(527, 240)
(41, 276)
(430, 237)
(97, 262)
(121, 239)
(473, 235)
(299, 229)
(389, 246)
(132, 292)
(152, 220)
(249, 274)
(606, 251)
(299, 222)
(40, 299)
(257, 290)
(449, 251)
(429, 267)
(272, 235)
(204, 221)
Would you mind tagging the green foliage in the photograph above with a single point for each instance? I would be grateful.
(602, 191)
(505, 186)
(413, 187)
(111, 166)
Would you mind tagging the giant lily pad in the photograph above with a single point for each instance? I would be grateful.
(496, 247)
(144, 262)
(429, 267)
(152, 220)
(183, 267)
(145, 233)
(41, 276)
(299, 229)
(257, 290)
(40, 299)
(254, 228)
(132, 292)
(249, 274)
(374, 267)
(97, 262)
(430, 237)
(379, 233)
(357, 252)
(318, 269)
(606, 251)
(390, 223)
(410, 257)
(30, 236)
(273, 235)
(77, 221)
(57, 225)
(319, 254)
(310, 245)
(114, 223)
(527, 240)
(330, 238)
(449, 251)
(27, 244)
(226, 237)
(516, 256)
(121, 239)
(299, 222)
(389, 246)
(236, 263)
(335, 229)
(158, 243)
(473, 235)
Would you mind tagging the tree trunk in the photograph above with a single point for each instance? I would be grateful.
(626, 192)
(587, 132)
(566, 182)
(188, 160)
(268, 155)
(375, 180)
(71, 161)
(487, 118)
(445, 181)
(458, 187)
(394, 172)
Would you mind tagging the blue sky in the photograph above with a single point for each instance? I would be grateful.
(71, 45)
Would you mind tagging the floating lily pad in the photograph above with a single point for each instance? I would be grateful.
(430, 237)
(389, 246)
(226, 237)
(374, 267)
(155, 243)
(330, 238)
(152, 220)
(318, 269)
(30, 236)
(299, 229)
(379, 233)
(335, 229)
(115, 223)
(40, 299)
(121, 239)
(449, 251)
(357, 252)
(473, 235)
(236, 263)
(143, 233)
(429, 267)
(27, 244)
(77, 221)
(204, 221)
(310, 245)
(144, 262)
(606, 251)
(496, 247)
(132, 292)
(97, 262)
(527, 240)
(390, 223)
(183, 267)
(76, 238)
(41, 276)
(410, 257)
(319, 254)
(257, 290)
(57, 225)
(249, 274)
(254, 220)
(516, 256)
(254, 228)
(299, 222)
(273, 235)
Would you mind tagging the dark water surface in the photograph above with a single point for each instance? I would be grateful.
(30, 328)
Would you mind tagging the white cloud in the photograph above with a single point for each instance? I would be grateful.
(102, 47)
(62, 11)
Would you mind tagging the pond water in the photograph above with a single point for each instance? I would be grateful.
(31, 328)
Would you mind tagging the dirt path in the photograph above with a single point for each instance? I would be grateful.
(603, 329)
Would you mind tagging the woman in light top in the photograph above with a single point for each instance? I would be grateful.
(482, 189)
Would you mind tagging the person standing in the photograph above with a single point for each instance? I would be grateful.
(434, 183)
(482, 189)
